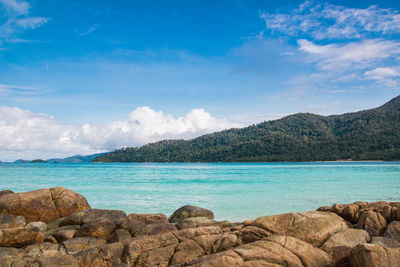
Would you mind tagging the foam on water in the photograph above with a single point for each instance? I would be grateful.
(234, 191)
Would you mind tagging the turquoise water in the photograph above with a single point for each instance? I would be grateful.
(234, 191)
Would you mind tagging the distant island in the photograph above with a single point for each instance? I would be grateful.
(73, 159)
(366, 135)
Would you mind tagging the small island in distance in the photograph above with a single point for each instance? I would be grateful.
(372, 134)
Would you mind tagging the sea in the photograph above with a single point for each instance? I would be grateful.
(233, 191)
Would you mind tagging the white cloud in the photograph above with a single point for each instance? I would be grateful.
(26, 133)
(386, 75)
(8, 89)
(359, 54)
(31, 22)
(327, 21)
(19, 7)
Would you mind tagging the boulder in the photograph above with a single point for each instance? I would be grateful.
(189, 211)
(250, 234)
(7, 221)
(101, 256)
(54, 230)
(134, 222)
(45, 249)
(78, 244)
(156, 228)
(193, 222)
(64, 234)
(372, 222)
(58, 261)
(385, 241)
(20, 236)
(11, 252)
(5, 192)
(43, 205)
(339, 245)
(117, 217)
(40, 225)
(120, 235)
(309, 255)
(100, 227)
(373, 255)
(313, 227)
(393, 230)
(351, 214)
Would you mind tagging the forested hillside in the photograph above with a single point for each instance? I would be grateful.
(366, 135)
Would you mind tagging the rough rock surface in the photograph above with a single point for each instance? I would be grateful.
(189, 211)
(43, 205)
(95, 237)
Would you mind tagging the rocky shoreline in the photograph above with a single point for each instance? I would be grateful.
(57, 227)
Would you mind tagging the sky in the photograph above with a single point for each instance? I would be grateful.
(81, 77)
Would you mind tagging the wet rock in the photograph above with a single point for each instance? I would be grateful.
(339, 245)
(372, 222)
(313, 227)
(19, 236)
(393, 230)
(189, 211)
(40, 225)
(373, 255)
(120, 235)
(99, 227)
(78, 244)
(43, 205)
(385, 241)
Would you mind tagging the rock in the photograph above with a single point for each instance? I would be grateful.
(309, 255)
(390, 213)
(156, 228)
(50, 239)
(120, 235)
(63, 235)
(338, 209)
(186, 251)
(117, 217)
(350, 213)
(372, 222)
(339, 245)
(373, 255)
(7, 221)
(385, 241)
(193, 222)
(58, 261)
(45, 250)
(20, 221)
(78, 244)
(11, 252)
(313, 227)
(40, 225)
(43, 205)
(189, 211)
(101, 256)
(134, 222)
(224, 242)
(393, 230)
(53, 231)
(5, 192)
(250, 234)
(19, 236)
(100, 227)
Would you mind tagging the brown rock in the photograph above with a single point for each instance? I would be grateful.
(186, 251)
(40, 225)
(11, 252)
(117, 217)
(189, 211)
(339, 245)
(372, 222)
(385, 241)
(313, 227)
(134, 222)
(389, 213)
(78, 244)
(338, 209)
(53, 231)
(105, 255)
(350, 213)
(44, 250)
(7, 220)
(63, 235)
(393, 230)
(309, 255)
(193, 222)
(250, 234)
(19, 236)
(100, 227)
(224, 242)
(43, 205)
(373, 255)
(20, 221)
(120, 235)
(5, 192)
(58, 261)
(156, 228)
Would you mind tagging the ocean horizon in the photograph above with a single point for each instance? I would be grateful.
(233, 191)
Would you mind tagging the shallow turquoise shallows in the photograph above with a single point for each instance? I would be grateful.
(234, 191)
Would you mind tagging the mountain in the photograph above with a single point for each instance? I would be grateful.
(75, 159)
(366, 135)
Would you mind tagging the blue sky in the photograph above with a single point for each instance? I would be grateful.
(90, 76)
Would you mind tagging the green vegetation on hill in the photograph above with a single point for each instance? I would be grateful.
(366, 135)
